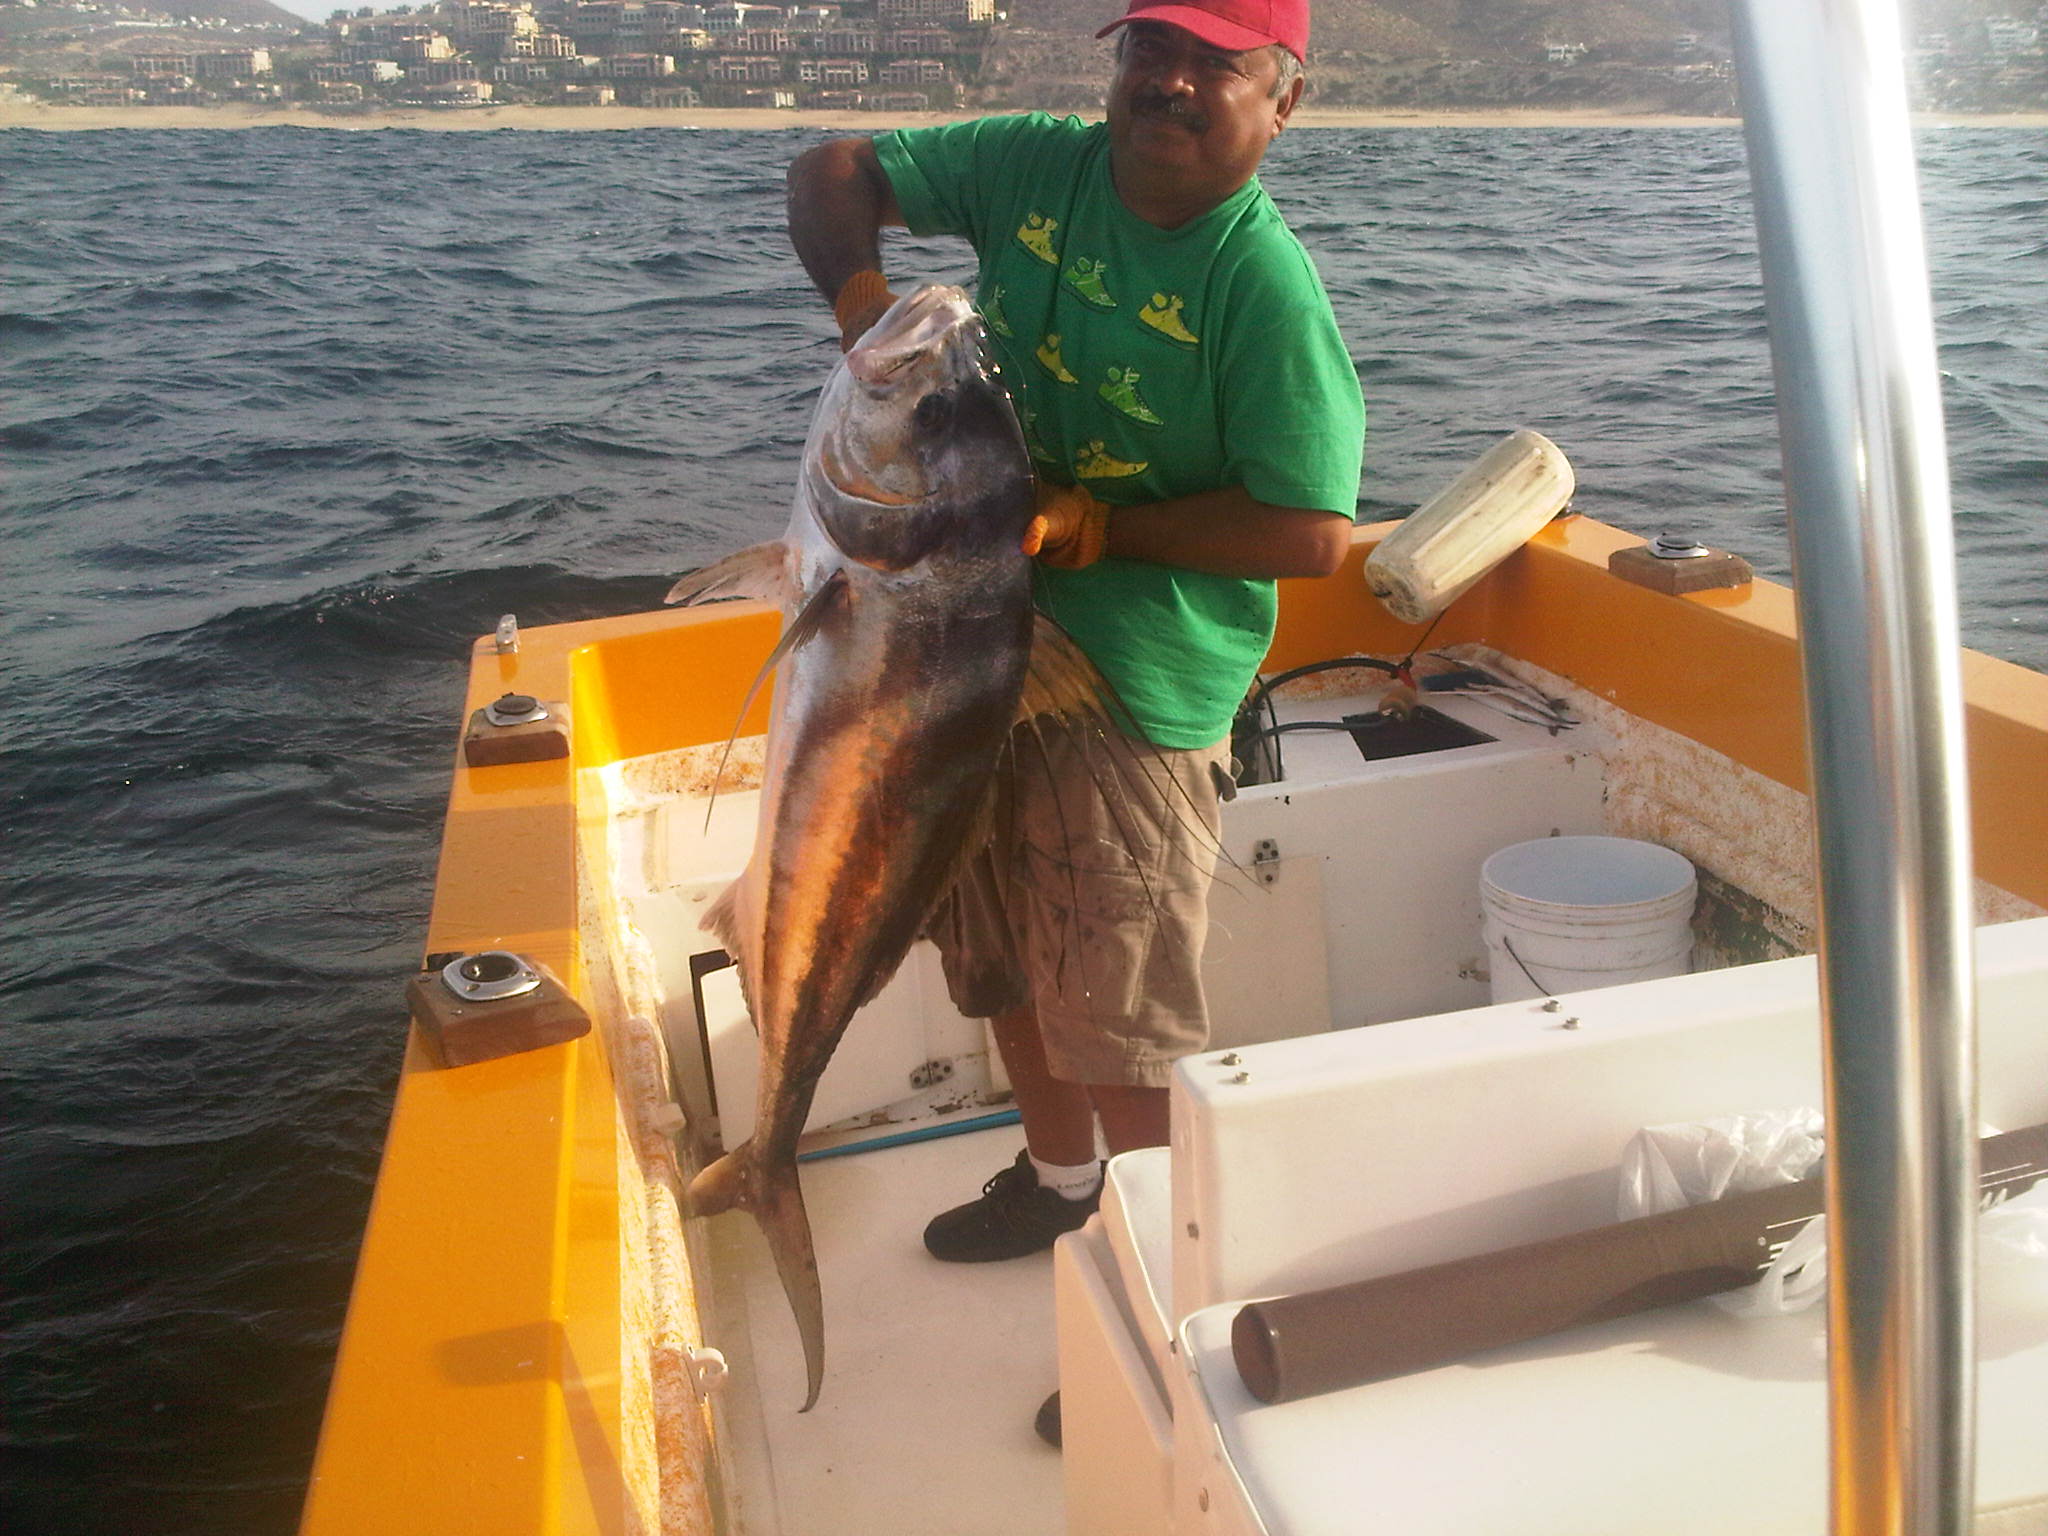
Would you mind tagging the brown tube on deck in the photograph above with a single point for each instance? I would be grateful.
(1320, 1341)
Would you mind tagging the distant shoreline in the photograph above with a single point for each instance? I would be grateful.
(41, 115)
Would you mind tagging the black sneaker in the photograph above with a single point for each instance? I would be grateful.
(1013, 1217)
(1048, 1421)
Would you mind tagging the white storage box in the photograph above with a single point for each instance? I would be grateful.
(1311, 1162)
(1117, 1462)
(1684, 1422)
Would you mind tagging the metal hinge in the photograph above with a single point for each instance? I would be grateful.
(1266, 861)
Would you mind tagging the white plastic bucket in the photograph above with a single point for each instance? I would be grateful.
(1562, 914)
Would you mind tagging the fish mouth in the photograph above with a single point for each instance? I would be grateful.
(933, 324)
(902, 384)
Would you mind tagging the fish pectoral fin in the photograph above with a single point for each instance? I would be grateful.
(761, 571)
(1061, 681)
(722, 921)
(799, 629)
(809, 620)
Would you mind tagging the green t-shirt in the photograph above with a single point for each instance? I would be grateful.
(1146, 364)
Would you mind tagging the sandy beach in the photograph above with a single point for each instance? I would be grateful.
(19, 114)
(26, 114)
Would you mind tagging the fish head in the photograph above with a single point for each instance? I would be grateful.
(916, 447)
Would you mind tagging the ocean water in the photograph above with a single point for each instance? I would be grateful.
(288, 416)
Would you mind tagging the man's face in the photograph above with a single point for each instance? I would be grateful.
(1192, 116)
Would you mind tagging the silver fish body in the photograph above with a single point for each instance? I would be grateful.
(907, 642)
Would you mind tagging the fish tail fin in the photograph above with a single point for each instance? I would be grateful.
(776, 1199)
(788, 1230)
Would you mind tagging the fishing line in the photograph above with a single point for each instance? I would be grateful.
(1403, 671)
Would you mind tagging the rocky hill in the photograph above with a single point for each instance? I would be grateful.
(1643, 56)
(257, 13)
(1623, 55)
(240, 13)
(1648, 54)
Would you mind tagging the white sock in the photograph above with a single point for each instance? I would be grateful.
(1076, 1183)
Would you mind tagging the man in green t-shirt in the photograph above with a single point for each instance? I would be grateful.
(1196, 426)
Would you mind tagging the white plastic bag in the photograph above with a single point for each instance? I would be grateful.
(1665, 1167)
(2015, 1231)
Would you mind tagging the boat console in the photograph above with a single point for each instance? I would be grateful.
(1309, 1162)
(1348, 893)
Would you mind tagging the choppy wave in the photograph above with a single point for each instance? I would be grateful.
(290, 416)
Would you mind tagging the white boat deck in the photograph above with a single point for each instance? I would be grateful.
(933, 1372)
(1364, 909)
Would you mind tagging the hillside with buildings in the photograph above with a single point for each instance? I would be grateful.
(908, 56)
(883, 55)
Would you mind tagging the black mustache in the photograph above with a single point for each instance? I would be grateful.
(1154, 104)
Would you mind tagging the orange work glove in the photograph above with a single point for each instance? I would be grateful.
(863, 299)
(1069, 528)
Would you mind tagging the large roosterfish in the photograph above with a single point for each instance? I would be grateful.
(909, 649)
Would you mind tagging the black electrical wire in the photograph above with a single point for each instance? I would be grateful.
(1261, 698)
(1283, 728)
(1272, 719)
(1267, 685)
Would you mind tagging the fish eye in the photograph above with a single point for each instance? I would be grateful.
(935, 411)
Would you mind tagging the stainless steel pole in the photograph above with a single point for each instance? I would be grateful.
(1866, 486)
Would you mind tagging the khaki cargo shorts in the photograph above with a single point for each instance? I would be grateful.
(1091, 902)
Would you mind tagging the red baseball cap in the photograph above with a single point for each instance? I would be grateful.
(1238, 25)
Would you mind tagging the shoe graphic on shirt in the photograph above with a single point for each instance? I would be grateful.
(1048, 355)
(1096, 462)
(1121, 391)
(1084, 276)
(992, 312)
(1163, 314)
(1035, 235)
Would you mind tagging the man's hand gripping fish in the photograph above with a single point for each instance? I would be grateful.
(909, 649)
